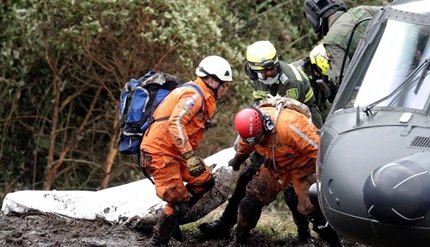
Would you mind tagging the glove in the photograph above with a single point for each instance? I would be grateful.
(210, 124)
(196, 165)
(237, 161)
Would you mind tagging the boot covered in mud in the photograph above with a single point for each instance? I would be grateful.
(248, 216)
(166, 225)
(220, 229)
(301, 221)
(329, 235)
(307, 242)
(217, 229)
(177, 234)
(241, 238)
(304, 238)
(325, 232)
(155, 241)
(303, 234)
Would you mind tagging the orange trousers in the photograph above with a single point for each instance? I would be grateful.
(266, 185)
(169, 174)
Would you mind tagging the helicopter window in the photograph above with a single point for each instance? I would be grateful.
(402, 48)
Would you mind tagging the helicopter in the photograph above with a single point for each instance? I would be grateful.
(373, 165)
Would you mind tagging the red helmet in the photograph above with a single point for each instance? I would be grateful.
(248, 123)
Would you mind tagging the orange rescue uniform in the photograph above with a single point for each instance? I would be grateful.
(166, 141)
(292, 146)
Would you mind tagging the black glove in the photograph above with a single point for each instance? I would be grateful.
(237, 161)
(210, 124)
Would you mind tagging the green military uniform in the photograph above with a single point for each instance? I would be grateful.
(340, 29)
(293, 84)
(320, 88)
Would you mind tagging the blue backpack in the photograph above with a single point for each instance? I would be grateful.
(139, 99)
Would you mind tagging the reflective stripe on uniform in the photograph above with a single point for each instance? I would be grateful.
(309, 95)
(260, 94)
(296, 72)
(303, 135)
(186, 107)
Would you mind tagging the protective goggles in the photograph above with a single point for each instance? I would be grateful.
(266, 65)
(264, 74)
(253, 140)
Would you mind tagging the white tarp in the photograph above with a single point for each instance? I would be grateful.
(133, 203)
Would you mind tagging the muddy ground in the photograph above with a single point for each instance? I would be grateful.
(35, 229)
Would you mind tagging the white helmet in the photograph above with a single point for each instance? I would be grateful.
(215, 66)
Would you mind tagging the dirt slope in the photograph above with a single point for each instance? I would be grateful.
(34, 229)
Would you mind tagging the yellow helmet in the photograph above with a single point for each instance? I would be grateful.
(261, 55)
(320, 58)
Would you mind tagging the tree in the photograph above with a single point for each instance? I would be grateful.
(63, 64)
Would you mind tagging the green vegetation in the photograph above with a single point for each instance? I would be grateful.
(64, 62)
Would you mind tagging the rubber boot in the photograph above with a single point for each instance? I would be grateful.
(165, 226)
(325, 232)
(304, 238)
(301, 221)
(155, 241)
(177, 234)
(248, 215)
(217, 229)
(329, 235)
(220, 228)
(240, 239)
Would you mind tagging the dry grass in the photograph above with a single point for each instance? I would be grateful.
(273, 222)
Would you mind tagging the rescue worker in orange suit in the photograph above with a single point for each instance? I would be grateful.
(168, 149)
(289, 81)
(289, 142)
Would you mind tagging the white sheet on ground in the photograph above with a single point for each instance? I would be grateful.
(133, 203)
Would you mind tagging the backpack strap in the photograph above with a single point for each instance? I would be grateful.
(197, 88)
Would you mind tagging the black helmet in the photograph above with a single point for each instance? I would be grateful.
(317, 11)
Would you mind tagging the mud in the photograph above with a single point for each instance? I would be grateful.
(35, 229)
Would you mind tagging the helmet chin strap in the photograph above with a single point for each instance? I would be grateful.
(214, 90)
(324, 27)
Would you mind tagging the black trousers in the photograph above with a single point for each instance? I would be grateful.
(229, 215)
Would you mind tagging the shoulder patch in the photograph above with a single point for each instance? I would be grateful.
(292, 93)
(189, 103)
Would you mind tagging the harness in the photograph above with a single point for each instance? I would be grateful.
(275, 140)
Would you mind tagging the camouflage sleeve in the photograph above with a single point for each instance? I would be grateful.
(337, 55)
